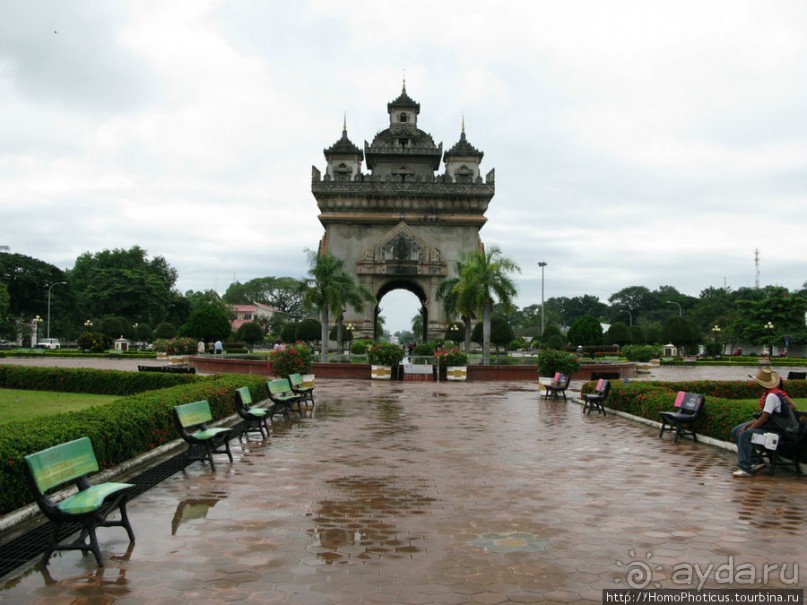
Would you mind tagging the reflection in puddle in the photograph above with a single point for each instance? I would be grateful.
(100, 585)
(194, 508)
(358, 524)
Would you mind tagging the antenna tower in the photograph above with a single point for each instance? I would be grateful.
(756, 265)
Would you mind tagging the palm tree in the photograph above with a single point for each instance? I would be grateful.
(448, 293)
(330, 288)
(483, 280)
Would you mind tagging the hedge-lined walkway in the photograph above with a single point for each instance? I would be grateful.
(439, 493)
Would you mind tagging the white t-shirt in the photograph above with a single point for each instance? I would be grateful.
(773, 405)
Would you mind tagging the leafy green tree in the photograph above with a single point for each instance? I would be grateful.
(26, 282)
(165, 331)
(208, 322)
(250, 333)
(114, 327)
(552, 332)
(637, 335)
(586, 330)
(417, 325)
(681, 332)
(93, 342)
(448, 291)
(5, 318)
(124, 283)
(454, 331)
(501, 334)
(568, 310)
(636, 299)
(142, 332)
(485, 278)
(284, 294)
(618, 333)
(330, 289)
(308, 330)
(288, 333)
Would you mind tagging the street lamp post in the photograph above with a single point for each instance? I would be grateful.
(680, 311)
(630, 316)
(36, 321)
(768, 327)
(58, 283)
(716, 334)
(542, 264)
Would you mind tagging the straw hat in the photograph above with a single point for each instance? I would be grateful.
(766, 378)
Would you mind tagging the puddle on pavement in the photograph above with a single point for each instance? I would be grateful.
(360, 522)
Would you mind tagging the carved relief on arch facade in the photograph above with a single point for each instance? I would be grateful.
(400, 253)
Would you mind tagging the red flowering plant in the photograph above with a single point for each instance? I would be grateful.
(452, 357)
(290, 359)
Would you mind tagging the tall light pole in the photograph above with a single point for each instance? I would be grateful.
(630, 316)
(58, 283)
(768, 327)
(542, 264)
(680, 312)
(36, 321)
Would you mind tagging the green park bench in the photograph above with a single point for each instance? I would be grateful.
(254, 418)
(283, 397)
(73, 462)
(303, 386)
(192, 421)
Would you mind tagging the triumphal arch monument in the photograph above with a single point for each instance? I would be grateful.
(401, 225)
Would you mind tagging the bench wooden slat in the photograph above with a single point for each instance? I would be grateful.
(62, 463)
(194, 414)
(91, 498)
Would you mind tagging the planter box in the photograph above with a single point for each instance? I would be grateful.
(458, 373)
(381, 372)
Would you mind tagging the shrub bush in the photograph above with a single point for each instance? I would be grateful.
(450, 357)
(385, 354)
(641, 353)
(551, 361)
(120, 430)
(291, 359)
(359, 346)
(83, 380)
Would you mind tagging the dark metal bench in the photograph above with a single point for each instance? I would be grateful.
(681, 420)
(597, 398)
(606, 375)
(192, 421)
(168, 369)
(789, 447)
(73, 462)
(558, 386)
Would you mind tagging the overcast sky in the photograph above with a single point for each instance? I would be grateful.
(635, 143)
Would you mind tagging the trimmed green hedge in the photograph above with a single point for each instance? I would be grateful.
(83, 380)
(722, 410)
(120, 430)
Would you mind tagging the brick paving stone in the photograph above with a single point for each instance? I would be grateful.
(435, 493)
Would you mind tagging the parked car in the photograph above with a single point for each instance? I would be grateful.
(48, 343)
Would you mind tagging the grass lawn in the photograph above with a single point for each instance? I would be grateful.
(801, 403)
(20, 405)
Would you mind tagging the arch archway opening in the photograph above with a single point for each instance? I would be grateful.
(402, 304)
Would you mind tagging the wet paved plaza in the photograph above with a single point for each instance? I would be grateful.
(421, 493)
